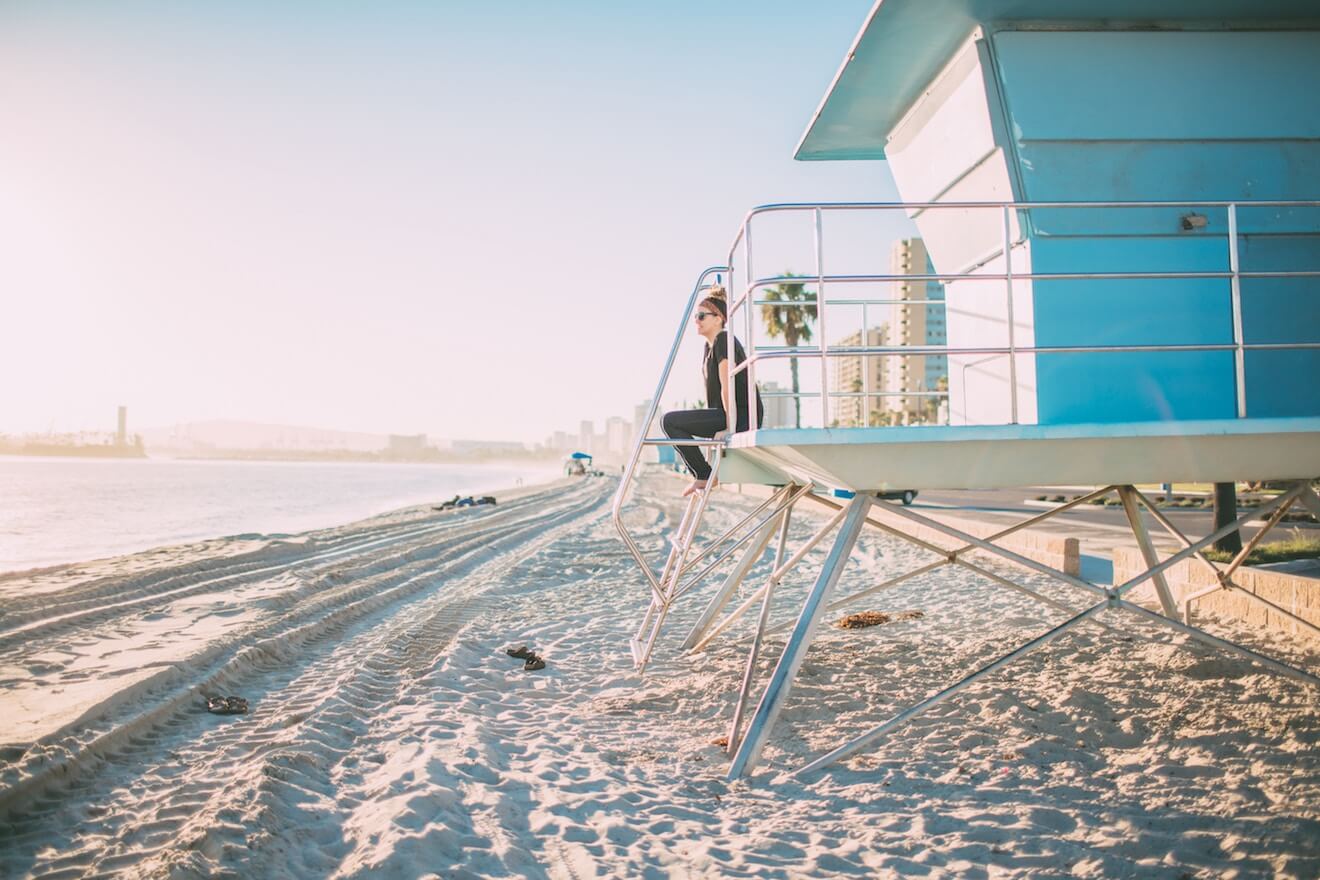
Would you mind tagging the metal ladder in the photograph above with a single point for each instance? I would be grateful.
(670, 585)
(666, 588)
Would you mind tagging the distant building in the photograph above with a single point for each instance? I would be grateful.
(121, 436)
(856, 374)
(639, 417)
(587, 437)
(618, 436)
(406, 444)
(923, 322)
(486, 447)
(778, 410)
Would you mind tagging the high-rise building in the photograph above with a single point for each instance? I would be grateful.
(917, 319)
(778, 410)
(618, 436)
(857, 374)
(639, 417)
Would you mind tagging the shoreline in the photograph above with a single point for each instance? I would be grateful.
(295, 520)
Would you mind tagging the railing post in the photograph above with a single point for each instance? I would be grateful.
(866, 372)
(746, 299)
(751, 364)
(1012, 336)
(820, 325)
(1235, 286)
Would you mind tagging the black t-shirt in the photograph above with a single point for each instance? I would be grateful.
(711, 367)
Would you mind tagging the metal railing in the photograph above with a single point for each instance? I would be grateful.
(747, 299)
(642, 441)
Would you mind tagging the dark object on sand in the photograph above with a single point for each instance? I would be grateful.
(863, 619)
(465, 501)
(522, 652)
(227, 706)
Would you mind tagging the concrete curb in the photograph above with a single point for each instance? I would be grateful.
(1299, 594)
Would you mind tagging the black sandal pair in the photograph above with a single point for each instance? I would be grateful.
(534, 662)
(227, 706)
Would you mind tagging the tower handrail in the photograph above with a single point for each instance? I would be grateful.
(616, 510)
(746, 298)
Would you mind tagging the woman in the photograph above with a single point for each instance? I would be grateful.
(685, 424)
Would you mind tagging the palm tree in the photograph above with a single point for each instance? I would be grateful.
(1225, 511)
(791, 320)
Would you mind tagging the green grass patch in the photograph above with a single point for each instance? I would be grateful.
(1297, 547)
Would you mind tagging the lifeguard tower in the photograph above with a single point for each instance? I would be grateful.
(1118, 199)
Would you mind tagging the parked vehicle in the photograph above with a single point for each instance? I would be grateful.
(907, 496)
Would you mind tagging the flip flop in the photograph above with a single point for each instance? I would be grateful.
(522, 653)
(534, 663)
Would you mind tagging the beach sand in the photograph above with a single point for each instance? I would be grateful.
(390, 735)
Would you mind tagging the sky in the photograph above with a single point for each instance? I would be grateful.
(470, 219)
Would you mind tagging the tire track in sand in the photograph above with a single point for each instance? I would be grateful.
(277, 655)
(105, 599)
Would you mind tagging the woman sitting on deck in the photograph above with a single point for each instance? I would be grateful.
(685, 424)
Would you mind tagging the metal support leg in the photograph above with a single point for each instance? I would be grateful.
(719, 560)
(1225, 576)
(1003, 553)
(750, 672)
(1215, 642)
(781, 682)
(957, 559)
(906, 715)
(735, 578)
(1112, 600)
(775, 577)
(1127, 495)
(1192, 549)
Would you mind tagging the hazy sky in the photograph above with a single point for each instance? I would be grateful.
(471, 219)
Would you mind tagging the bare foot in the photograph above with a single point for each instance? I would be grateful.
(695, 487)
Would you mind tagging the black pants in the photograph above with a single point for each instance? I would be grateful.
(685, 424)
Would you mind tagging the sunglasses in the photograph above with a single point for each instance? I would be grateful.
(701, 316)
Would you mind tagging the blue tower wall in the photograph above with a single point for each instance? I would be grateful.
(1167, 115)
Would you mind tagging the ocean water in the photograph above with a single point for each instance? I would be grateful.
(57, 510)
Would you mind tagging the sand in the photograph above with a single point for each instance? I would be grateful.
(390, 736)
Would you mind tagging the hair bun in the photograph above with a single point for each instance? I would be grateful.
(717, 291)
